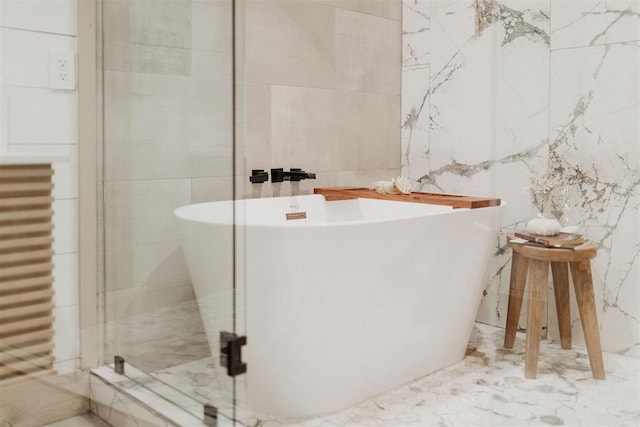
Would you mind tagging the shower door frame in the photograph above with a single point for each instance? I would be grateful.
(90, 155)
(91, 308)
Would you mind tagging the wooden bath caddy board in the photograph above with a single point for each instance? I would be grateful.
(453, 200)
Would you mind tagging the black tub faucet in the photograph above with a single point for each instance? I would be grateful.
(258, 176)
(295, 174)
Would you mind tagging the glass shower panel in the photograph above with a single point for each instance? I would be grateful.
(168, 144)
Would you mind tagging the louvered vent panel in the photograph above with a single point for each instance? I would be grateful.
(26, 272)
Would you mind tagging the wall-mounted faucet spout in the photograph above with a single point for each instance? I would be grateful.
(295, 174)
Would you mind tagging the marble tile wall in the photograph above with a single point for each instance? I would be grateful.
(595, 148)
(320, 91)
(37, 119)
(167, 143)
(501, 95)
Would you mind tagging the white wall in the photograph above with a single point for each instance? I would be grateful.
(35, 118)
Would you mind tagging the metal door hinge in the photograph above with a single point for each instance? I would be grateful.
(231, 353)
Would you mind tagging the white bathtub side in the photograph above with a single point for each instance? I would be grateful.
(336, 315)
(208, 250)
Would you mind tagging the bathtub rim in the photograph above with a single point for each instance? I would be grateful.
(303, 224)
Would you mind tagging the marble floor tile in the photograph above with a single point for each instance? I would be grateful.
(487, 387)
(158, 339)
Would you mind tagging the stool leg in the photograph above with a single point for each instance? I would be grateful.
(583, 285)
(516, 290)
(560, 272)
(538, 276)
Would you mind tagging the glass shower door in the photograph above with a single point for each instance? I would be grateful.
(168, 144)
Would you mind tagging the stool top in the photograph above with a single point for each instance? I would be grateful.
(582, 252)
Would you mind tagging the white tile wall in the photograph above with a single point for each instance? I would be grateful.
(37, 119)
(147, 266)
(213, 188)
(65, 233)
(364, 178)
(290, 43)
(26, 56)
(47, 16)
(41, 116)
(142, 211)
(367, 52)
(206, 15)
(4, 143)
(382, 8)
(66, 334)
(130, 303)
(316, 129)
(65, 299)
(65, 272)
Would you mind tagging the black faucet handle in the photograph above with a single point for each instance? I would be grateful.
(277, 175)
(258, 176)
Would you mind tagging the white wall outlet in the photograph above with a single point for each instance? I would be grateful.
(62, 69)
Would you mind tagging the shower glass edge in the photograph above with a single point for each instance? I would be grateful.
(170, 130)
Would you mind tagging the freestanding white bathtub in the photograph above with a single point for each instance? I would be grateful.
(358, 298)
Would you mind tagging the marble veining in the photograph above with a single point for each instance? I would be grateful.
(530, 95)
(488, 130)
(593, 152)
(468, 170)
(594, 22)
(515, 22)
(417, 25)
(416, 22)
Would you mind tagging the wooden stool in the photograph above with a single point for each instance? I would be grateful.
(536, 259)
